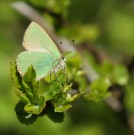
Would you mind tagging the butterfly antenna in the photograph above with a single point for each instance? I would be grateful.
(73, 40)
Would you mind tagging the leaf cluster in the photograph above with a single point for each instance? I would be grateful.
(55, 96)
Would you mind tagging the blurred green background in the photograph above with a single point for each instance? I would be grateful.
(107, 25)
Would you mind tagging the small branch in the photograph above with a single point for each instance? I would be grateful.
(90, 72)
(31, 14)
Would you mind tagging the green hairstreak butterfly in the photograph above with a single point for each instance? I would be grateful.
(41, 52)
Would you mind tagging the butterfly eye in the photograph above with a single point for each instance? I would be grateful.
(60, 42)
(63, 58)
(73, 40)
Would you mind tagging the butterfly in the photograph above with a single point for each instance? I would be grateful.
(42, 53)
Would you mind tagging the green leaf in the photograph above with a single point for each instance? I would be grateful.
(56, 117)
(67, 87)
(62, 103)
(16, 77)
(118, 74)
(37, 103)
(74, 60)
(53, 88)
(22, 96)
(24, 117)
(62, 108)
(30, 75)
(36, 108)
(70, 98)
(75, 74)
(50, 77)
(31, 83)
(56, 86)
(28, 88)
(98, 89)
(28, 92)
(62, 77)
(33, 102)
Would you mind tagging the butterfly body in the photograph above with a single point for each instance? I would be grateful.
(41, 52)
